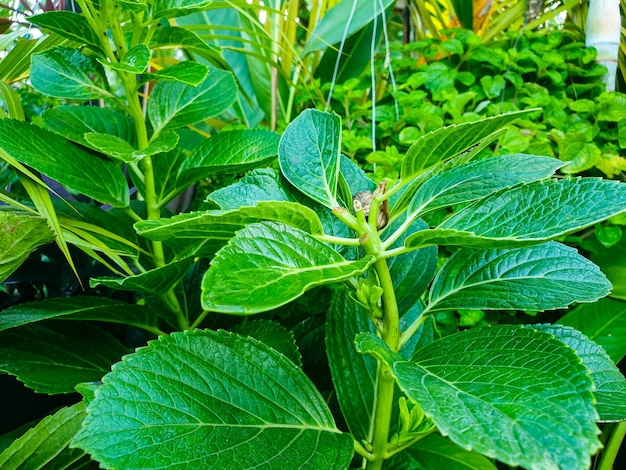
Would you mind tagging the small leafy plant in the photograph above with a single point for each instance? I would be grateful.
(292, 267)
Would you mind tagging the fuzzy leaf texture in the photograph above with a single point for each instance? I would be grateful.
(235, 404)
(506, 392)
(269, 264)
(309, 155)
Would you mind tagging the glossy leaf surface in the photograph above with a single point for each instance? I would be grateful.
(67, 24)
(173, 8)
(189, 73)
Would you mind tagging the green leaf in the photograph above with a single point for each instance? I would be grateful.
(119, 149)
(153, 413)
(528, 213)
(466, 183)
(435, 452)
(604, 322)
(269, 264)
(136, 60)
(222, 225)
(69, 25)
(81, 307)
(229, 152)
(68, 164)
(264, 184)
(309, 153)
(190, 73)
(45, 445)
(174, 104)
(73, 122)
(174, 8)
(156, 281)
(344, 19)
(271, 334)
(53, 357)
(63, 72)
(353, 374)
(610, 385)
(539, 277)
(446, 142)
(506, 392)
(19, 236)
(174, 37)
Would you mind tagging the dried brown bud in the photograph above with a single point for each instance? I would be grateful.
(364, 198)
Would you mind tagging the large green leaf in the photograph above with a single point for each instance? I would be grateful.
(309, 155)
(119, 149)
(174, 36)
(173, 8)
(446, 142)
(174, 104)
(215, 399)
(52, 357)
(19, 236)
(68, 164)
(190, 73)
(610, 385)
(528, 213)
(63, 72)
(81, 307)
(604, 322)
(539, 277)
(222, 225)
(45, 445)
(344, 19)
(73, 122)
(69, 25)
(466, 183)
(229, 152)
(269, 264)
(272, 334)
(135, 60)
(507, 392)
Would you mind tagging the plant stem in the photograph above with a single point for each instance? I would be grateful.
(610, 452)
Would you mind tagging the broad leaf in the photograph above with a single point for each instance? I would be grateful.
(271, 334)
(229, 152)
(604, 322)
(45, 445)
(528, 213)
(344, 19)
(174, 104)
(135, 60)
(73, 122)
(173, 8)
(506, 392)
(478, 179)
(190, 73)
(119, 149)
(446, 142)
(269, 264)
(81, 307)
(356, 178)
(610, 385)
(63, 72)
(69, 25)
(222, 225)
(539, 277)
(19, 236)
(161, 407)
(309, 153)
(68, 164)
(174, 36)
(53, 357)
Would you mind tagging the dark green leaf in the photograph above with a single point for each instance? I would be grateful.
(269, 264)
(68, 164)
(190, 73)
(174, 36)
(355, 176)
(173, 8)
(67, 24)
(136, 60)
(53, 357)
(43, 445)
(271, 334)
(63, 72)
(506, 392)
(539, 277)
(160, 407)
(19, 236)
(174, 104)
(603, 322)
(78, 308)
(444, 143)
(528, 213)
(309, 153)
(229, 152)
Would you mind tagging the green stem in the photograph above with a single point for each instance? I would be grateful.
(199, 320)
(612, 448)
